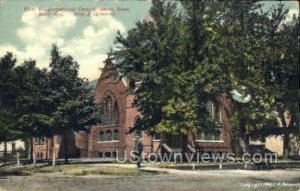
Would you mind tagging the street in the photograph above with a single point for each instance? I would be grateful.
(176, 180)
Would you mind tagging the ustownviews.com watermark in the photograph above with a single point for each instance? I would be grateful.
(204, 157)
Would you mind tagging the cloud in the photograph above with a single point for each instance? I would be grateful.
(93, 43)
(45, 30)
(37, 33)
(296, 3)
(8, 48)
(88, 46)
(36, 52)
(292, 12)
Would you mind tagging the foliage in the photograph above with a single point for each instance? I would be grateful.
(156, 52)
(8, 92)
(190, 53)
(72, 105)
(33, 101)
(36, 102)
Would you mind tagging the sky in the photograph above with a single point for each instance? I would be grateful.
(84, 29)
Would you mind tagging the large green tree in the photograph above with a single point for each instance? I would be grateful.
(72, 107)
(8, 93)
(245, 60)
(284, 77)
(234, 63)
(32, 102)
(157, 52)
(193, 52)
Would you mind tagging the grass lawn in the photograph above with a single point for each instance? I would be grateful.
(71, 170)
(286, 188)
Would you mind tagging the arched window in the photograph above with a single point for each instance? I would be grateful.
(116, 135)
(109, 113)
(108, 135)
(108, 110)
(102, 136)
(215, 116)
(116, 115)
(100, 115)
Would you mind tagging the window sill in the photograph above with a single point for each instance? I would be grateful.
(156, 140)
(114, 141)
(107, 126)
(210, 141)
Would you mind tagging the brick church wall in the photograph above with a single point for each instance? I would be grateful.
(118, 89)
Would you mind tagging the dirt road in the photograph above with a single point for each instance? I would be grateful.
(233, 180)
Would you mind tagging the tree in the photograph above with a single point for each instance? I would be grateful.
(72, 107)
(155, 52)
(230, 64)
(145, 54)
(284, 77)
(172, 56)
(8, 92)
(166, 54)
(32, 102)
(210, 49)
(242, 62)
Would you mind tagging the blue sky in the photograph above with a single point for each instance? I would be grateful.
(28, 31)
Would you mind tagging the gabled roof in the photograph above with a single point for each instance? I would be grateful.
(110, 71)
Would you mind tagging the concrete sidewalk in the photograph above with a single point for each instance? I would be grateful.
(199, 172)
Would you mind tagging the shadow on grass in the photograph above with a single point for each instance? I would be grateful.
(296, 181)
(12, 172)
(71, 170)
(261, 180)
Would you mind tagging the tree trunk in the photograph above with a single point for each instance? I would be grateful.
(28, 149)
(244, 141)
(239, 139)
(5, 152)
(32, 156)
(286, 138)
(53, 151)
(286, 144)
(66, 146)
(47, 149)
(235, 140)
(18, 159)
(192, 140)
(34, 159)
(31, 149)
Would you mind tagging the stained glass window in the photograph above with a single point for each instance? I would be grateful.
(109, 112)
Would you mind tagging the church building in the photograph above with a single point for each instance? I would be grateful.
(111, 135)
